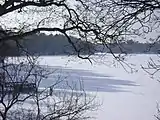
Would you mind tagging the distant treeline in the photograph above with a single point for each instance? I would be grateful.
(131, 47)
(42, 44)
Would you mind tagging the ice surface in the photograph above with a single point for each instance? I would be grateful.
(125, 96)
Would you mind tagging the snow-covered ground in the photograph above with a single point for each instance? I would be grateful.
(125, 96)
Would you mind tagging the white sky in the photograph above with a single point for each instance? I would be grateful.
(29, 19)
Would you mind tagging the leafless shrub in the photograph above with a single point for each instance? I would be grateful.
(21, 98)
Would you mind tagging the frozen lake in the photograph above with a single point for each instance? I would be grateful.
(125, 96)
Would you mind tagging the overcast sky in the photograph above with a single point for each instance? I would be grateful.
(28, 19)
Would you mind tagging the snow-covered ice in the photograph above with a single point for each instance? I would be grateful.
(125, 96)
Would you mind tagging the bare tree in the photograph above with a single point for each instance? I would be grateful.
(20, 78)
(21, 98)
(96, 21)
